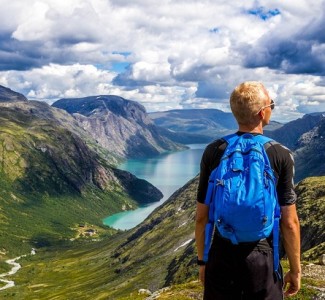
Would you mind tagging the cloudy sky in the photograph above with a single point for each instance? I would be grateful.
(166, 54)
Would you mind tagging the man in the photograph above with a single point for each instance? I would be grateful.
(245, 271)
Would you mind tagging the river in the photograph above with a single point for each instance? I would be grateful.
(15, 268)
(168, 172)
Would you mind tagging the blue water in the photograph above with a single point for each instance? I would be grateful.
(168, 172)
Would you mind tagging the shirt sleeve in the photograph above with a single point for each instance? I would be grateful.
(210, 160)
(284, 166)
(204, 176)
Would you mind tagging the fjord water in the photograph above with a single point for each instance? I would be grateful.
(167, 172)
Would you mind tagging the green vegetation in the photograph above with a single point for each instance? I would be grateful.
(311, 209)
(77, 269)
(55, 188)
(4, 267)
(54, 177)
(114, 266)
(150, 256)
(38, 221)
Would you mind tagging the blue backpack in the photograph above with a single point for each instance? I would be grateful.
(242, 195)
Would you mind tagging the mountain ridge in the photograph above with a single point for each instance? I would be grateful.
(198, 125)
(295, 129)
(119, 125)
(8, 95)
(310, 152)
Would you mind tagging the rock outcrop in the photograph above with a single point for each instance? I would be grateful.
(7, 95)
(310, 152)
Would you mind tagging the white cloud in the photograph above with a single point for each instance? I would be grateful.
(55, 81)
(180, 53)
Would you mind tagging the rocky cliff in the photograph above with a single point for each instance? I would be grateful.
(119, 125)
(310, 152)
(290, 133)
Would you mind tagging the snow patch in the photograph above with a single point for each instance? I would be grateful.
(184, 244)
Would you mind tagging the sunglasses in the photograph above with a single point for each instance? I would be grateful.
(272, 105)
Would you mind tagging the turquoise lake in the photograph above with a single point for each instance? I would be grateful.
(168, 172)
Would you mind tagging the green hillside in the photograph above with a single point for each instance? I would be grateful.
(157, 253)
(53, 178)
(145, 257)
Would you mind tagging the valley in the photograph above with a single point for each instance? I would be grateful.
(59, 180)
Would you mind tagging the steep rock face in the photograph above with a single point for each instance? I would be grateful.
(47, 153)
(290, 133)
(7, 95)
(310, 152)
(121, 126)
(42, 148)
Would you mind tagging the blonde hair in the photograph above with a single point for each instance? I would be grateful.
(246, 101)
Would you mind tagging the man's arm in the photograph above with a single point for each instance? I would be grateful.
(202, 214)
(290, 230)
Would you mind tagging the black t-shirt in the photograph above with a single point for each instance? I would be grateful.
(281, 160)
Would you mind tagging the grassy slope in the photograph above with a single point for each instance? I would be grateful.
(118, 266)
(43, 221)
(311, 209)
(44, 179)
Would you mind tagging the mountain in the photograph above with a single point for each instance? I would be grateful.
(53, 176)
(185, 137)
(311, 209)
(310, 152)
(157, 253)
(197, 125)
(7, 95)
(290, 133)
(119, 125)
(210, 123)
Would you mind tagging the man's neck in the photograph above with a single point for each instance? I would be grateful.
(251, 129)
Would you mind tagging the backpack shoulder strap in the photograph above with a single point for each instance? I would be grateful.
(265, 141)
(267, 145)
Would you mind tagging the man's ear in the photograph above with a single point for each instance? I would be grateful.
(261, 114)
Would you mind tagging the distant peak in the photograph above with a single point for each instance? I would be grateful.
(8, 95)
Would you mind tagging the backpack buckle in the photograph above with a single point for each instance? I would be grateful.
(220, 182)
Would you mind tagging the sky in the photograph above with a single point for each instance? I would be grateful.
(166, 54)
